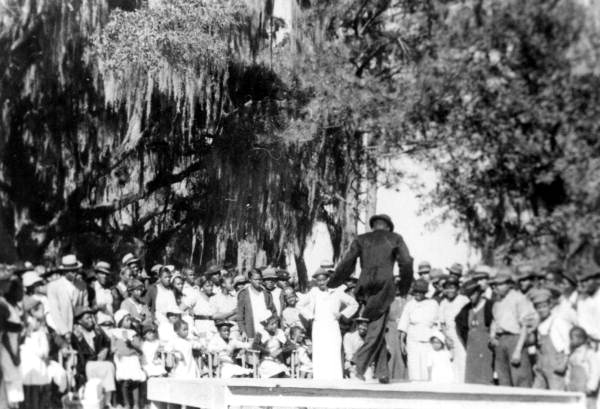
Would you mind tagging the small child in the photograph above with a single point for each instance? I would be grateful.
(184, 364)
(290, 317)
(298, 343)
(582, 368)
(224, 346)
(127, 357)
(152, 352)
(34, 356)
(270, 342)
(439, 362)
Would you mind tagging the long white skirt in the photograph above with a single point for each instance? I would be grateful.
(327, 350)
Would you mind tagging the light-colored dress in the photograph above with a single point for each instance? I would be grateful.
(440, 366)
(185, 364)
(448, 312)
(152, 365)
(12, 381)
(418, 319)
(34, 355)
(128, 364)
(326, 307)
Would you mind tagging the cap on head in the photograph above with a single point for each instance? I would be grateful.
(269, 274)
(69, 263)
(128, 259)
(102, 267)
(455, 269)
(424, 267)
(540, 295)
(31, 278)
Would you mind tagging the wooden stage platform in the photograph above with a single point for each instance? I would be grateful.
(167, 393)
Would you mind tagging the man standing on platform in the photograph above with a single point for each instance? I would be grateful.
(378, 250)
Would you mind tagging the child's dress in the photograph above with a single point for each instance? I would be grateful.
(224, 351)
(128, 365)
(270, 364)
(34, 355)
(583, 372)
(185, 365)
(440, 365)
(152, 363)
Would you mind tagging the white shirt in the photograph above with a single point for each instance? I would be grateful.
(190, 294)
(276, 293)
(558, 329)
(450, 309)
(328, 304)
(588, 314)
(165, 300)
(104, 297)
(418, 319)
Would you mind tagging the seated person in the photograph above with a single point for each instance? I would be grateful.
(352, 342)
(93, 352)
(303, 348)
(270, 343)
(224, 347)
(290, 317)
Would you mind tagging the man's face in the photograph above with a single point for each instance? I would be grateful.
(450, 291)
(270, 284)
(543, 309)
(183, 331)
(126, 275)
(138, 294)
(135, 269)
(501, 289)
(425, 276)
(321, 281)
(189, 276)
(208, 288)
(228, 284)
(86, 321)
(419, 296)
(362, 329)
(102, 278)
(216, 279)
(70, 275)
(256, 281)
(165, 278)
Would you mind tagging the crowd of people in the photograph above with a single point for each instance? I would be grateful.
(110, 329)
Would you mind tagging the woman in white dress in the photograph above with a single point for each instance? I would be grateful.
(326, 306)
(449, 309)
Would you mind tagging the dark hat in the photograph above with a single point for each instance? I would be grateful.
(223, 323)
(128, 259)
(451, 280)
(437, 274)
(134, 284)
(69, 263)
(283, 275)
(524, 272)
(589, 274)
(82, 310)
(383, 217)
(539, 295)
(148, 328)
(424, 267)
(502, 277)
(456, 269)
(420, 286)
(470, 287)
(269, 274)
(102, 267)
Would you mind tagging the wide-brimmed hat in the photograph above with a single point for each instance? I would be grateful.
(322, 271)
(539, 295)
(269, 274)
(104, 319)
(128, 259)
(239, 279)
(470, 287)
(455, 269)
(437, 274)
(424, 267)
(31, 278)
(420, 286)
(81, 310)
(69, 263)
(223, 323)
(481, 271)
(102, 267)
(502, 277)
(134, 284)
(383, 217)
(451, 280)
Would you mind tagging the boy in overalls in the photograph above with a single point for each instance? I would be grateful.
(552, 343)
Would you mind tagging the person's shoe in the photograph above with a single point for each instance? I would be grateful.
(384, 379)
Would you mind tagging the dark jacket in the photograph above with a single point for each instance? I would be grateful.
(463, 324)
(244, 311)
(378, 250)
(86, 352)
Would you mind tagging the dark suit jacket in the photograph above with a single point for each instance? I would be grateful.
(244, 311)
(378, 250)
(86, 352)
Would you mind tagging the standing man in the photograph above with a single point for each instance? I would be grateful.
(254, 305)
(378, 250)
